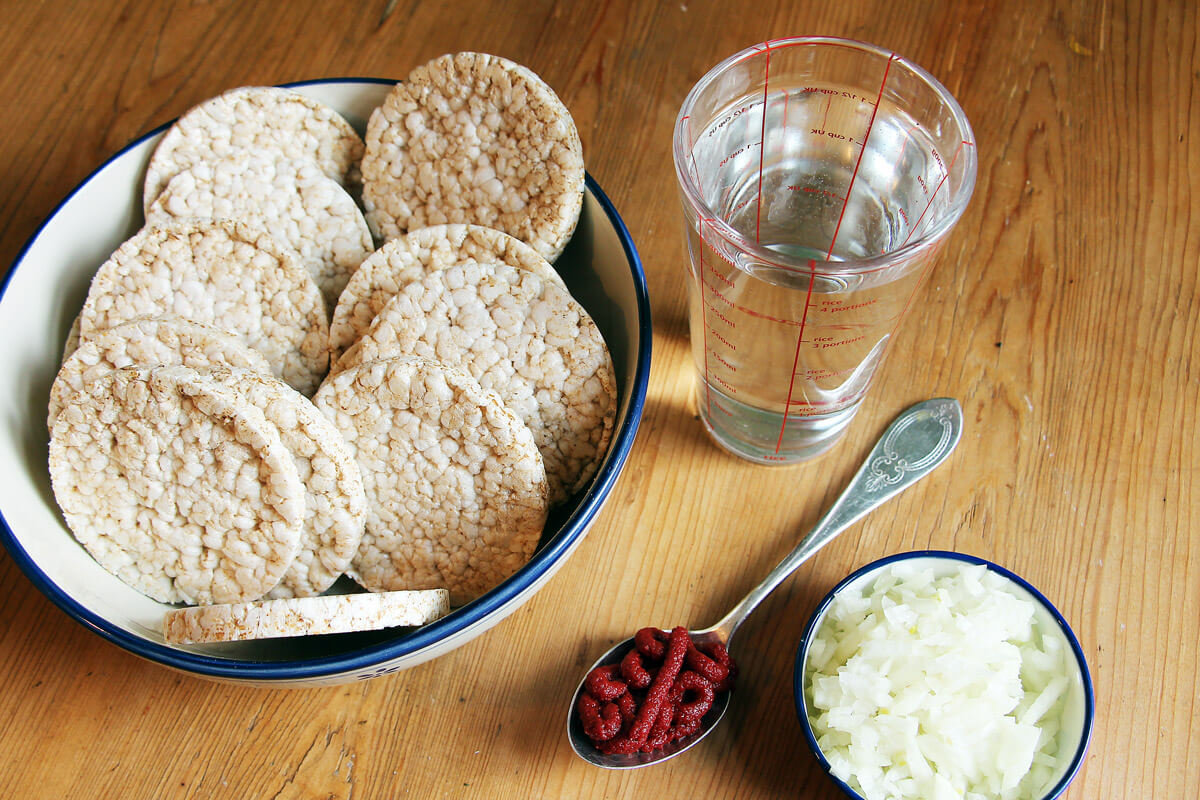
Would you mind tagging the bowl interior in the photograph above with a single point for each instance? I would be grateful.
(1078, 709)
(43, 292)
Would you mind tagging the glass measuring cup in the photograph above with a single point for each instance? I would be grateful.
(819, 177)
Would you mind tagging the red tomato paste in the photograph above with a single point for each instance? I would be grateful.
(656, 695)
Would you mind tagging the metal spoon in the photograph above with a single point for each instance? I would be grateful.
(912, 446)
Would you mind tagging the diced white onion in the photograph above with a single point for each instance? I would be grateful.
(935, 685)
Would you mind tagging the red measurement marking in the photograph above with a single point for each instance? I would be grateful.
(729, 366)
(749, 312)
(806, 409)
(822, 192)
(937, 189)
(862, 149)
(721, 339)
(838, 342)
(938, 157)
(814, 409)
(717, 405)
(758, 48)
(831, 135)
(723, 278)
(715, 129)
(735, 154)
(717, 291)
(704, 318)
(741, 205)
(821, 374)
(825, 119)
(762, 144)
(718, 315)
(795, 361)
(732, 389)
(834, 308)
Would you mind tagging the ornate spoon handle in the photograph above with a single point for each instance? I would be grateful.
(912, 446)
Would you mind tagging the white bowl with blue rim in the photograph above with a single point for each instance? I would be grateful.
(1078, 711)
(44, 290)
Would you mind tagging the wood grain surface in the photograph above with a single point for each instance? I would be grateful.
(1063, 316)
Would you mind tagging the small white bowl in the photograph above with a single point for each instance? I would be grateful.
(1078, 715)
(40, 297)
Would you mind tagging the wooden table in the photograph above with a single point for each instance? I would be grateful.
(1064, 317)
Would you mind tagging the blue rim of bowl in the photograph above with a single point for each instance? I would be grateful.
(462, 619)
(809, 629)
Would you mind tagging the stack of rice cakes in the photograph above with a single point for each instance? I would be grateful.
(254, 401)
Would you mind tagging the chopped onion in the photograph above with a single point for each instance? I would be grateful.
(937, 685)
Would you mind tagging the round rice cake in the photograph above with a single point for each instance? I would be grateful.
(149, 342)
(304, 616)
(335, 505)
(287, 123)
(220, 273)
(300, 206)
(526, 339)
(412, 256)
(180, 494)
(471, 137)
(456, 489)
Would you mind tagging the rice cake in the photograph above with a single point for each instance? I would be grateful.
(180, 494)
(334, 502)
(456, 489)
(287, 123)
(471, 137)
(301, 207)
(220, 273)
(520, 336)
(150, 343)
(408, 258)
(304, 616)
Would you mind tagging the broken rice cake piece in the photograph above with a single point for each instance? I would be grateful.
(304, 616)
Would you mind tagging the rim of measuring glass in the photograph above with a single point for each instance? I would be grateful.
(933, 234)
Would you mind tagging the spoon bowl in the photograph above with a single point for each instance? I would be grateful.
(587, 751)
(914, 444)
